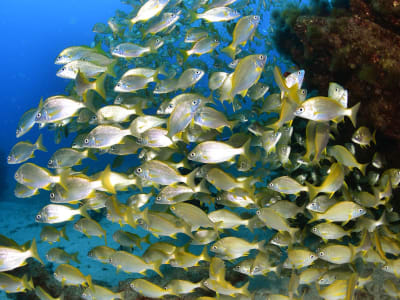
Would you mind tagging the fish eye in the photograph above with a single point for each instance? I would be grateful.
(139, 170)
(118, 84)
(52, 195)
(360, 210)
(255, 17)
(157, 40)
(8, 158)
(158, 198)
(50, 162)
(321, 253)
(172, 207)
(17, 131)
(94, 118)
(258, 212)
(300, 110)
(38, 115)
(194, 102)
(214, 247)
(171, 106)
(38, 217)
(314, 229)
(336, 89)
(205, 283)
(16, 175)
(113, 148)
(256, 269)
(261, 56)
(166, 288)
(303, 92)
(140, 221)
(197, 72)
(215, 40)
(110, 260)
(192, 154)
(237, 268)
(312, 256)
(86, 141)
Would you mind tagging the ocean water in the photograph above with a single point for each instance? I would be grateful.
(33, 33)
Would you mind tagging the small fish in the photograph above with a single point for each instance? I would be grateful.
(247, 73)
(321, 203)
(184, 259)
(130, 50)
(226, 288)
(216, 80)
(130, 263)
(363, 137)
(149, 289)
(287, 185)
(342, 211)
(58, 108)
(59, 256)
(11, 284)
(218, 14)
(181, 287)
(166, 20)
(194, 34)
(110, 114)
(69, 275)
(343, 156)
(213, 152)
(337, 254)
(56, 213)
(326, 109)
(233, 247)
(23, 151)
(90, 227)
(104, 136)
(155, 137)
(182, 116)
(189, 78)
(74, 53)
(51, 235)
(274, 220)
(12, 258)
(202, 46)
(100, 292)
(101, 253)
(27, 120)
(148, 10)
(244, 30)
(90, 70)
(23, 191)
(129, 239)
(299, 258)
(36, 177)
(329, 231)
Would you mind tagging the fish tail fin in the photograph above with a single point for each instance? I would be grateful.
(110, 68)
(162, 70)
(39, 144)
(64, 233)
(89, 282)
(184, 54)
(83, 211)
(63, 178)
(312, 190)
(33, 251)
(204, 254)
(74, 257)
(261, 246)
(230, 51)
(373, 137)
(245, 289)
(99, 86)
(146, 239)
(90, 154)
(353, 114)
(156, 269)
(193, 15)
(27, 283)
(131, 23)
(190, 179)
(246, 148)
(363, 168)
(106, 180)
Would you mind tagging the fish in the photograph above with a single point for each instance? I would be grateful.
(180, 287)
(332, 183)
(12, 258)
(51, 234)
(216, 152)
(69, 275)
(287, 185)
(233, 247)
(247, 73)
(27, 120)
(58, 108)
(130, 263)
(59, 256)
(329, 231)
(101, 253)
(244, 30)
(326, 109)
(343, 156)
(149, 289)
(22, 151)
(363, 137)
(202, 46)
(131, 50)
(90, 227)
(100, 292)
(57, 213)
(36, 177)
(148, 10)
(12, 284)
(89, 69)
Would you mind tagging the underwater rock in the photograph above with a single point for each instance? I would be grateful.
(360, 51)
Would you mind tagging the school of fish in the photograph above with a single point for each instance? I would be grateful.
(236, 161)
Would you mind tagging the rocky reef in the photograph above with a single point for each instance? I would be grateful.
(357, 44)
